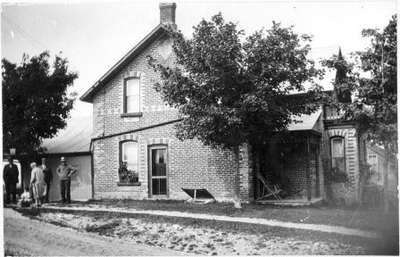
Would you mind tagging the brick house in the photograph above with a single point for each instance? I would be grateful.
(132, 124)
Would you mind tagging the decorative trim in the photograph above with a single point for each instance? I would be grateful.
(156, 108)
(132, 74)
(337, 133)
(128, 137)
(136, 130)
(159, 141)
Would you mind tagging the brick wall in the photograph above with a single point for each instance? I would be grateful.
(191, 165)
(108, 102)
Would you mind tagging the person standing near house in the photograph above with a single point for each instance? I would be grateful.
(38, 184)
(10, 176)
(65, 171)
(48, 177)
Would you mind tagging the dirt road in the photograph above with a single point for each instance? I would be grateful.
(24, 236)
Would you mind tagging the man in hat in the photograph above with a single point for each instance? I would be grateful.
(65, 171)
(10, 176)
(48, 177)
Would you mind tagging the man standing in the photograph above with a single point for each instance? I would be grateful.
(65, 171)
(48, 177)
(10, 176)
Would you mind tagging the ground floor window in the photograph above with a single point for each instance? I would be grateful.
(338, 154)
(128, 170)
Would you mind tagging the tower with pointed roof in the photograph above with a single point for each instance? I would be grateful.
(342, 95)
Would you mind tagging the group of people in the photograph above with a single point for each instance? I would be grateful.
(40, 182)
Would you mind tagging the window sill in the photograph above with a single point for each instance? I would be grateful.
(132, 114)
(122, 184)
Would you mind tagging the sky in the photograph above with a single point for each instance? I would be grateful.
(94, 35)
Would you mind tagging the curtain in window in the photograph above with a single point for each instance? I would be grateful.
(132, 95)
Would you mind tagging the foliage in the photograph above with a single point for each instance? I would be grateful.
(35, 100)
(336, 175)
(231, 90)
(127, 176)
(375, 105)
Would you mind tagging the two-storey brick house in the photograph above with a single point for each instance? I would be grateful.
(132, 124)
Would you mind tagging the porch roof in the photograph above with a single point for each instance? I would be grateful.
(74, 138)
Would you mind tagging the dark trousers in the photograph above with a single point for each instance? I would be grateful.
(65, 186)
(46, 197)
(11, 189)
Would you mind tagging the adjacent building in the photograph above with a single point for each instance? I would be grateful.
(73, 143)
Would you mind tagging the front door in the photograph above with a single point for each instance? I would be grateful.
(158, 171)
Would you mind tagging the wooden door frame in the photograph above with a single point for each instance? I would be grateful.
(150, 183)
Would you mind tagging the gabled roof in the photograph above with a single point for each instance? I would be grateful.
(154, 34)
(305, 122)
(74, 138)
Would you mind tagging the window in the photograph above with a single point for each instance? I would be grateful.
(338, 154)
(128, 170)
(131, 96)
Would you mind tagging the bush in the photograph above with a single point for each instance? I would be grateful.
(335, 175)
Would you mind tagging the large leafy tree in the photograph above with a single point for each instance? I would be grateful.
(379, 90)
(35, 100)
(230, 89)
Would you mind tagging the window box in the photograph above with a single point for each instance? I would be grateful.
(132, 114)
(128, 184)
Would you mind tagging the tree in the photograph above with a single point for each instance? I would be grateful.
(231, 90)
(35, 100)
(375, 105)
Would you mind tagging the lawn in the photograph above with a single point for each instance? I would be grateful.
(349, 217)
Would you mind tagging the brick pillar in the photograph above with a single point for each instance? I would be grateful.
(246, 187)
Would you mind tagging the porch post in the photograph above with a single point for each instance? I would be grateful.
(308, 177)
(246, 186)
(317, 179)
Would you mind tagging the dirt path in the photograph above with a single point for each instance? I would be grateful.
(24, 236)
(258, 221)
(198, 237)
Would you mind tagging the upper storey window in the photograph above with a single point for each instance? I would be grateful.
(131, 96)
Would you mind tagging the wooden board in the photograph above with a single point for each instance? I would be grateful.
(201, 193)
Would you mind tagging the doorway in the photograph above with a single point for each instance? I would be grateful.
(158, 171)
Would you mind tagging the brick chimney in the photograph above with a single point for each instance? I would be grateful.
(167, 13)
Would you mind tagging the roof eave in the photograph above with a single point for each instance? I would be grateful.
(88, 95)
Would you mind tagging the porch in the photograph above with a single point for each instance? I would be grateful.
(287, 171)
